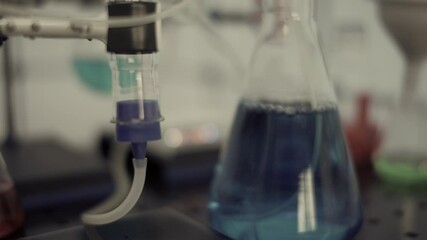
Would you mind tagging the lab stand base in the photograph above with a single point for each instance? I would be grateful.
(159, 224)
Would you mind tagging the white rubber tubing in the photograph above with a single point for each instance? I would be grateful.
(118, 170)
(138, 21)
(117, 22)
(135, 192)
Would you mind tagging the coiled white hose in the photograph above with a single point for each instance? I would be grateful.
(129, 202)
(122, 184)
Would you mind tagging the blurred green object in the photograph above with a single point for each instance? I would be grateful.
(402, 172)
(94, 73)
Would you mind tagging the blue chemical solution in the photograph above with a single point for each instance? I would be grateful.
(131, 128)
(285, 174)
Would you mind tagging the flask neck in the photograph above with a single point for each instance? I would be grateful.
(281, 14)
(287, 64)
(300, 10)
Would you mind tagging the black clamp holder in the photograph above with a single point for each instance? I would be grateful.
(133, 40)
(2, 39)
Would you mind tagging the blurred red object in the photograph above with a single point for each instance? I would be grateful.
(363, 136)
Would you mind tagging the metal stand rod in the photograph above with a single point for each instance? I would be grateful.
(8, 96)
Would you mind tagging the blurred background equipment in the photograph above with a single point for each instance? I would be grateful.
(403, 158)
(46, 171)
(363, 136)
(91, 65)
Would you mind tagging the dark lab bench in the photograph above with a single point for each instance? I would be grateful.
(390, 213)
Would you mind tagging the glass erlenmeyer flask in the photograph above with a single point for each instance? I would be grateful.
(285, 172)
(11, 212)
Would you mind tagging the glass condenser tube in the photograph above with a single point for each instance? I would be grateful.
(136, 93)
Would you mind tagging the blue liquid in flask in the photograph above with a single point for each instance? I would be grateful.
(285, 174)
